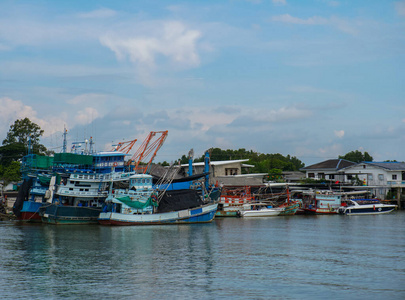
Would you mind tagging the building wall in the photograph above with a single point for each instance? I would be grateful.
(222, 170)
(376, 176)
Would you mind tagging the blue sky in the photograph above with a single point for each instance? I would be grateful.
(312, 79)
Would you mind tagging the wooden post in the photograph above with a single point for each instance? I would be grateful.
(399, 197)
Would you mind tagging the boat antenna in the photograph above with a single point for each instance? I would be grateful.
(64, 140)
(91, 145)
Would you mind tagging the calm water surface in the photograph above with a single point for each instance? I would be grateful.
(296, 257)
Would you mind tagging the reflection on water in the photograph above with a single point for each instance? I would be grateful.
(292, 257)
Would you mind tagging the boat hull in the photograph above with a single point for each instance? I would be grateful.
(57, 214)
(30, 212)
(319, 211)
(261, 213)
(376, 210)
(289, 209)
(202, 214)
(223, 213)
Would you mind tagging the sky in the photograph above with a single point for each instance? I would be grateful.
(313, 79)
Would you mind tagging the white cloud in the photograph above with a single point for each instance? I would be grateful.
(86, 115)
(13, 110)
(400, 8)
(88, 98)
(339, 133)
(171, 40)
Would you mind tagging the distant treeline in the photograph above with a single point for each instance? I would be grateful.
(263, 163)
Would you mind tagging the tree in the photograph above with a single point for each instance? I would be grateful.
(357, 156)
(25, 132)
(275, 175)
(11, 172)
(11, 152)
(263, 163)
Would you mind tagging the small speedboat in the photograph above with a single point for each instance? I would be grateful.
(260, 210)
(365, 207)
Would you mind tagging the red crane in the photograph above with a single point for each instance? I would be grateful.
(124, 147)
(144, 156)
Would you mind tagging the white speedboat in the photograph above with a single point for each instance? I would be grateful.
(260, 210)
(365, 207)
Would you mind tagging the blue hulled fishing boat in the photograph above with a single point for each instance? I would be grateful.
(141, 204)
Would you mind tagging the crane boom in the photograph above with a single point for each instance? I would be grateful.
(145, 154)
(124, 147)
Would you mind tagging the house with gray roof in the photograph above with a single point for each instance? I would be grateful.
(328, 169)
(382, 176)
(377, 177)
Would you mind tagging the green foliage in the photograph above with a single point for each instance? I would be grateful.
(24, 132)
(391, 195)
(15, 146)
(184, 160)
(11, 172)
(313, 181)
(357, 156)
(263, 163)
(275, 175)
(11, 152)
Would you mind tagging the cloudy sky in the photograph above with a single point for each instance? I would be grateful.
(313, 79)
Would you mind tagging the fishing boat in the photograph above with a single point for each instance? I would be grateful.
(233, 200)
(141, 204)
(290, 207)
(77, 183)
(260, 210)
(323, 204)
(365, 207)
(77, 193)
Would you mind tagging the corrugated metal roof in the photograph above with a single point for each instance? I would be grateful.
(217, 163)
(331, 164)
(393, 166)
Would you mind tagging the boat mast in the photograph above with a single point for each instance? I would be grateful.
(190, 162)
(64, 140)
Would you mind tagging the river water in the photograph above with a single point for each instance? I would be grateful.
(292, 257)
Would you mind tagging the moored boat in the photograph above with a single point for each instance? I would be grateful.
(290, 207)
(80, 197)
(323, 204)
(141, 204)
(233, 200)
(365, 207)
(260, 210)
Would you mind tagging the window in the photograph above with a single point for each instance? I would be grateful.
(311, 175)
(364, 166)
(331, 176)
(394, 176)
(231, 171)
(349, 177)
(381, 177)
